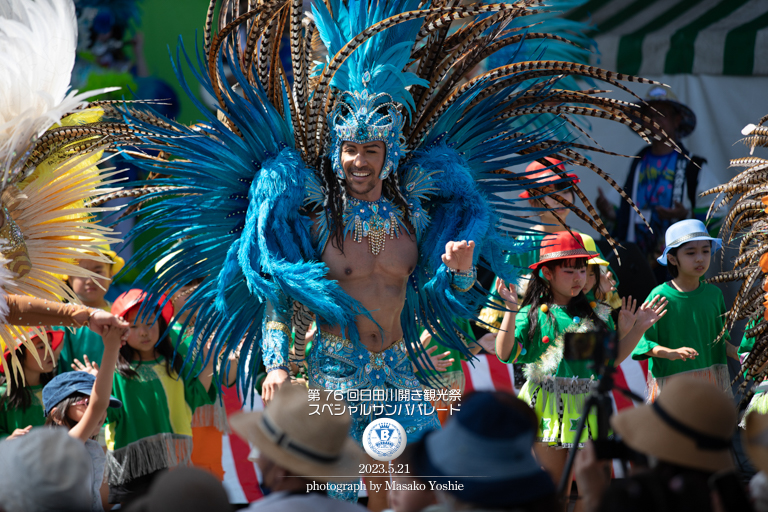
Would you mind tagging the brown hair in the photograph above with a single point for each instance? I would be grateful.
(599, 295)
(19, 396)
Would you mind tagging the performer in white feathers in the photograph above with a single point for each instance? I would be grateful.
(47, 174)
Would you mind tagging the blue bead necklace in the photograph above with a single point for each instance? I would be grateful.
(373, 220)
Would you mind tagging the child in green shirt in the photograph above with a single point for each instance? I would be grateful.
(153, 430)
(83, 344)
(551, 215)
(685, 341)
(78, 401)
(21, 406)
(554, 305)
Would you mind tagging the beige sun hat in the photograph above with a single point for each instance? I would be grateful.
(316, 446)
(690, 424)
(755, 439)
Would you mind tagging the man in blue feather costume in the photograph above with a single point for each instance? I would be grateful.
(361, 194)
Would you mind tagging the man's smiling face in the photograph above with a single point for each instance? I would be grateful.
(362, 165)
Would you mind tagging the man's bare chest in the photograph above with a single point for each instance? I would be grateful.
(397, 259)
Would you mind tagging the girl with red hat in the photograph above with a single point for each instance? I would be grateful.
(21, 387)
(152, 432)
(550, 180)
(553, 305)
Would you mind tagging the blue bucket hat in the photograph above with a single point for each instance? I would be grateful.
(487, 447)
(689, 230)
(62, 386)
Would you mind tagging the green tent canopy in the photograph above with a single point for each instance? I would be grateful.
(663, 37)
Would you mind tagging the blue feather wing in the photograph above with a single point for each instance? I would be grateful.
(234, 222)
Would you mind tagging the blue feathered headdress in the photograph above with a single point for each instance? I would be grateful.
(373, 84)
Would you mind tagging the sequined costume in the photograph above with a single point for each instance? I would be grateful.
(373, 383)
(256, 192)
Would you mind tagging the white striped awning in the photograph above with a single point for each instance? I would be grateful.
(656, 37)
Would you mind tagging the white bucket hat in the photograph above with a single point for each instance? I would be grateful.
(685, 231)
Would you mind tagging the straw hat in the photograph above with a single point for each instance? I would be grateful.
(547, 175)
(663, 94)
(317, 446)
(755, 440)
(560, 246)
(690, 425)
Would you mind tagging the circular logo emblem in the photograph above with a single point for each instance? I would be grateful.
(384, 439)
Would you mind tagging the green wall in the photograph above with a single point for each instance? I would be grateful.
(162, 22)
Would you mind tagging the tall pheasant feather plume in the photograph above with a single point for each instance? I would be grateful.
(747, 224)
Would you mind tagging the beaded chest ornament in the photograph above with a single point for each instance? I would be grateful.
(373, 220)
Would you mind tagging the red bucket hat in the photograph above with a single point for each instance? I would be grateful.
(561, 246)
(546, 174)
(134, 298)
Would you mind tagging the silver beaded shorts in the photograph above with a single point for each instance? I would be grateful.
(374, 384)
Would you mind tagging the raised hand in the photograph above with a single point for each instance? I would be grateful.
(488, 342)
(439, 361)
(100, 320)
(91, 367)
(458, 255)
(627, 315)
(508, 294)
(113, 336)
(651, 312)
(607, 283)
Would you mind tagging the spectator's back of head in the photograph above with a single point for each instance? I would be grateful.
(183, 490)
(484, 455)
(45, 470)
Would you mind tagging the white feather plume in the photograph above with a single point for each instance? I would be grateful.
(38, 39)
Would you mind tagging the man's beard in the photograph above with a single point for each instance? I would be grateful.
(361, 188)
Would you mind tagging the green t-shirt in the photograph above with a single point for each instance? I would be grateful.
(153, 403)
(747, 343)
(545, 357)
(75, 345)
(12, 418)
(694, 319)
(79, 342)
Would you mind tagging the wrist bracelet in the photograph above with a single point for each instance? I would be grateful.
(91, 312)
(463, 280)
(278, 326)
(280, 367)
